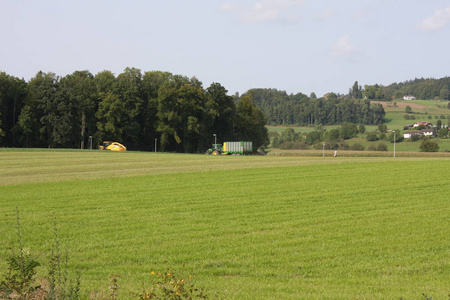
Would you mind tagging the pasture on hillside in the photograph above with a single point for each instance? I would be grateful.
(246, 227)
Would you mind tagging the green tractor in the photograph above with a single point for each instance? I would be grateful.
(231, 148)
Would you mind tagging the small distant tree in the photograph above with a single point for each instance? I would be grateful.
(382, 128)
(413, 117)
(348, 130)
(371, 137)
(398, 136)
(430, 116)
(406, 117)
(428, 145)
(443, 132)
(362, 129)
(408, 109)
(382, 147)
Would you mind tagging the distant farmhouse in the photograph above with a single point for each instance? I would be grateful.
(424, 132)
(409, 97)
(423, 123)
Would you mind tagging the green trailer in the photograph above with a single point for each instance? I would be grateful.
(231, 148)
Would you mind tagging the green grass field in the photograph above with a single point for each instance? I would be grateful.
(245, 227)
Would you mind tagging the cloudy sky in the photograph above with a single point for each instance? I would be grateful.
(293, 45)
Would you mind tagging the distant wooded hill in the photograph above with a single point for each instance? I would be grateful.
(281, 108)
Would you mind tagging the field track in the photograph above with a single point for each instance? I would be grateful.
(247, 227)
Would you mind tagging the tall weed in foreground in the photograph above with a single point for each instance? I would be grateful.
(60, 285)
(20, 281)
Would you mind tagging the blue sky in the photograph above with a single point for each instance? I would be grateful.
(293, 45)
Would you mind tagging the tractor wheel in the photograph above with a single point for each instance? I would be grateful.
(216, 152)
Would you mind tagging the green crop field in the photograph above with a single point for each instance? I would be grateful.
(257, 227)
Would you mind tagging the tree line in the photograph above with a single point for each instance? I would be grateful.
(132, 108)
(299, 109)
(421, 88)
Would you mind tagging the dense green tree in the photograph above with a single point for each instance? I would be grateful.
(251, 123)
(356, 91)
(347, 131)
(128, 87)
(428, 145)
(12, 96)
(110, 117)
(41, 98)
(220, 113)
(408, 109)
(81, 92)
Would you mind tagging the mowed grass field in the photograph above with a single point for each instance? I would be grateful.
(245, 227)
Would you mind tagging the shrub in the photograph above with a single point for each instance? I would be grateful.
(428, 145)
(357, 147)
(406, 117)
(382, 147)
(372, 137)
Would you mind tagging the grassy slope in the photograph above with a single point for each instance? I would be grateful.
(258, 229)
(395, 121)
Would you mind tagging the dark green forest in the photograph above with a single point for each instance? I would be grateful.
(137, 108)
(282, 109)
(133, 108)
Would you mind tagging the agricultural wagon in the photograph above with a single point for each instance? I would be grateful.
(231, 148)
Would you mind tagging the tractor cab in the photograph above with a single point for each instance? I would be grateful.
(215, 150)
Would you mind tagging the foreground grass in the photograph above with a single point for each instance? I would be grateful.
(246, 227)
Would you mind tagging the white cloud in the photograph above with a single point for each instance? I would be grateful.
(265, 10)
(326, 14)
(440, 18)
(343, 47)
(229, 7)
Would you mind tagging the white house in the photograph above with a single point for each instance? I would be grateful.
(409, 97)
(427, 132)
(409, 134)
